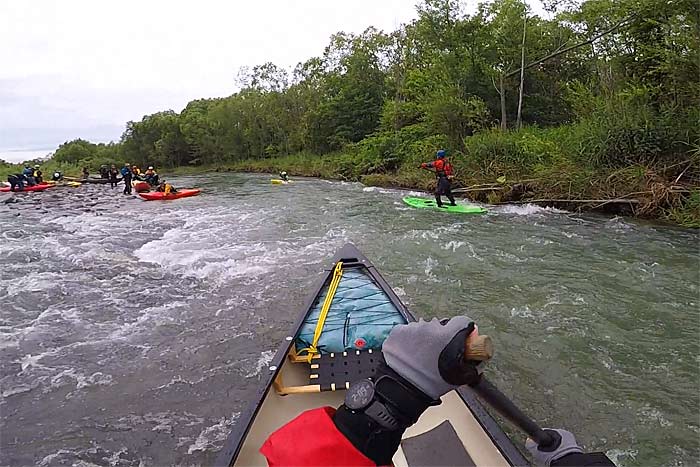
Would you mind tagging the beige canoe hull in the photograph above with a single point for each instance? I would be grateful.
(276, 410)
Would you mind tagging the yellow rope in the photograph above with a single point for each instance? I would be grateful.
(337, 275)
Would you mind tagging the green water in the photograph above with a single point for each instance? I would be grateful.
(135, 332)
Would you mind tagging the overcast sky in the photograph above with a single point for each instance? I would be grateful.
(82, 68)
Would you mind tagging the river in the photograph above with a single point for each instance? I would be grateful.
(134, 333)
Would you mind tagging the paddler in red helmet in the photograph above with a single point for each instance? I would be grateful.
(443, 172)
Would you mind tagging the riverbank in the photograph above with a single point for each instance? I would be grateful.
(637, 191)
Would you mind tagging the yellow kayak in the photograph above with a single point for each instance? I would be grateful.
(62, 183)
(277, 181)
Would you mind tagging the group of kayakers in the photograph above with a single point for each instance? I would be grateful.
(132, 173)
(29, 176)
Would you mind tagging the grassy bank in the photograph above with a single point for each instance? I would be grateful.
(527, 165)
(493, 180)
(611, 160)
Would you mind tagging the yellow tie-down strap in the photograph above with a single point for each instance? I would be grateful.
(337, 275)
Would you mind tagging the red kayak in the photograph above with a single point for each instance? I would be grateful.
(39, 187)
(142, 187)
(159, 195)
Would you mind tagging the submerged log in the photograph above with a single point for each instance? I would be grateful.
(583, 201)
(620, 206)
(466, 190)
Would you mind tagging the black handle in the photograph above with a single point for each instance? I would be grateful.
(546, 440)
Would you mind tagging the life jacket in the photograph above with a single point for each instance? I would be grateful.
(312, 439)
(443, 168)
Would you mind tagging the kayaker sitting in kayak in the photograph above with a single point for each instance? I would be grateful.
(367, 429)
(57, 176)
(284, 176)
(136, 172)
(28, 173)
(38, 175)
(443, 172)
(151, 177)
(166, 188)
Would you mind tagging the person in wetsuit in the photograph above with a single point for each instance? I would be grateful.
(166, 188)
(126, 175)
(28, 173)
(443, 172)
(151, 177)
(17, 181)
(113, 176)
(86, 173)
(284, 176)
(38, 175)
(136, 173)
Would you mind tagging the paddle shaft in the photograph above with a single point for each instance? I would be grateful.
(480, 348)
(496, 399)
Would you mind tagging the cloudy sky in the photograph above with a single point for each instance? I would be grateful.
(82, 68)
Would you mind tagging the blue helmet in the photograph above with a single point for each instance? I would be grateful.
(440, 154)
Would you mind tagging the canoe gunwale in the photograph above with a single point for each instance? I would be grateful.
(353, 258)
(491, 427)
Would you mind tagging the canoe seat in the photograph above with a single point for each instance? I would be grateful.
(437, 447)
(334, 371)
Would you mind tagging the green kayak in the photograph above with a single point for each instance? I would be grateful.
(425, 203)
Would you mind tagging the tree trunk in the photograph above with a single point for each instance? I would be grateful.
(575, 46)
(518, 121)
(502, 92)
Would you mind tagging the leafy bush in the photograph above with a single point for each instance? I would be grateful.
(388, 151)
(626, 128)
(522, 151)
